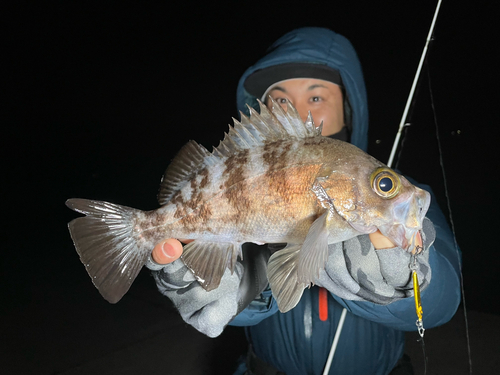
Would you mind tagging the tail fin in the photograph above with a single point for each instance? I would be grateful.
(105, 241)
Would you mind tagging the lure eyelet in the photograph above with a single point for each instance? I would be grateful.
(385, 183)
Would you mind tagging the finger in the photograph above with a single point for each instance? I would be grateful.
(167, 251)
(380, 241)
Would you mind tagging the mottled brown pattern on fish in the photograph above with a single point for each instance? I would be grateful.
(280, 201)
(275, 155)
(314, 141)
(196, 197)
(238, 197)
(280, 183)
(235, 167)
(189, 223)
(180, 212)
(184, 208)
(195, 210)
(198, 219)
(283, 177)
(150, 226)
(293, 182)
(236, 191)
(205, 213)
(178, 201)
(204, 180)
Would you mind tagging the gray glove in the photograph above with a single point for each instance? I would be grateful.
(210, 312)
(356, 271)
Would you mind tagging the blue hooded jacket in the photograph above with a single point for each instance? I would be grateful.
(317, 46)
(372, 339)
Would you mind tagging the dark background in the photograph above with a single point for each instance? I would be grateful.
(98, 98)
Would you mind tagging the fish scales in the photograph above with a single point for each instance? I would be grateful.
(273, 179)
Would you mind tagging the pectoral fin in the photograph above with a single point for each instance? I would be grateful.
(314, 252)
(208, 261)
(296, 266)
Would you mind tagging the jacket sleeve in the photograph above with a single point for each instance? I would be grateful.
(440, 283)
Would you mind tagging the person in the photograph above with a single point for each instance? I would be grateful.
(318, 70)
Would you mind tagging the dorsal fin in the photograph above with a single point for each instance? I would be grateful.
(188, 162)
(260, 128)
(268, 126)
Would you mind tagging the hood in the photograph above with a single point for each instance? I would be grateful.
(318, 46)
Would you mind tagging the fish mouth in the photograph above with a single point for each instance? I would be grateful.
(409, 239)
(408, 214)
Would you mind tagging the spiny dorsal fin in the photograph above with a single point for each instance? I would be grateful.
(268, 126)
(188, 162)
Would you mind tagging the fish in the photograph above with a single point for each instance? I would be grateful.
(272, 179)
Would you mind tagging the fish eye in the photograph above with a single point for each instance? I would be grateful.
(385, 182)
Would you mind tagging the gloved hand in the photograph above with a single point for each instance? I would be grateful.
(210, 312)
(357, 271)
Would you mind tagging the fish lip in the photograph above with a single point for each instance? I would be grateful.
(402, 236)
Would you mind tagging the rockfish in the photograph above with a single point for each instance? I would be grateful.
(273, 179)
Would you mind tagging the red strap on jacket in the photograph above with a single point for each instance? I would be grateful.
(323, 304)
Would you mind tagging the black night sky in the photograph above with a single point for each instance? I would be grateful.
(98, 98)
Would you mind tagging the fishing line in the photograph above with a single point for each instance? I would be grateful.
(421, 340)
(452, 224)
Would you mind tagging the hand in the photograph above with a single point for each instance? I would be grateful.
(210, 312)
(167, 251)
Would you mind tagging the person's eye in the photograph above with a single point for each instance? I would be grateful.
(280, 100)
(315, 99)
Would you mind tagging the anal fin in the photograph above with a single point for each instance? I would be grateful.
(296, 266)
(208, 261)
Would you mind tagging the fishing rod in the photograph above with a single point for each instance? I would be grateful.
(402, 123)
(413, 86)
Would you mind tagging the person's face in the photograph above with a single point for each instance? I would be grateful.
(322, 98)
